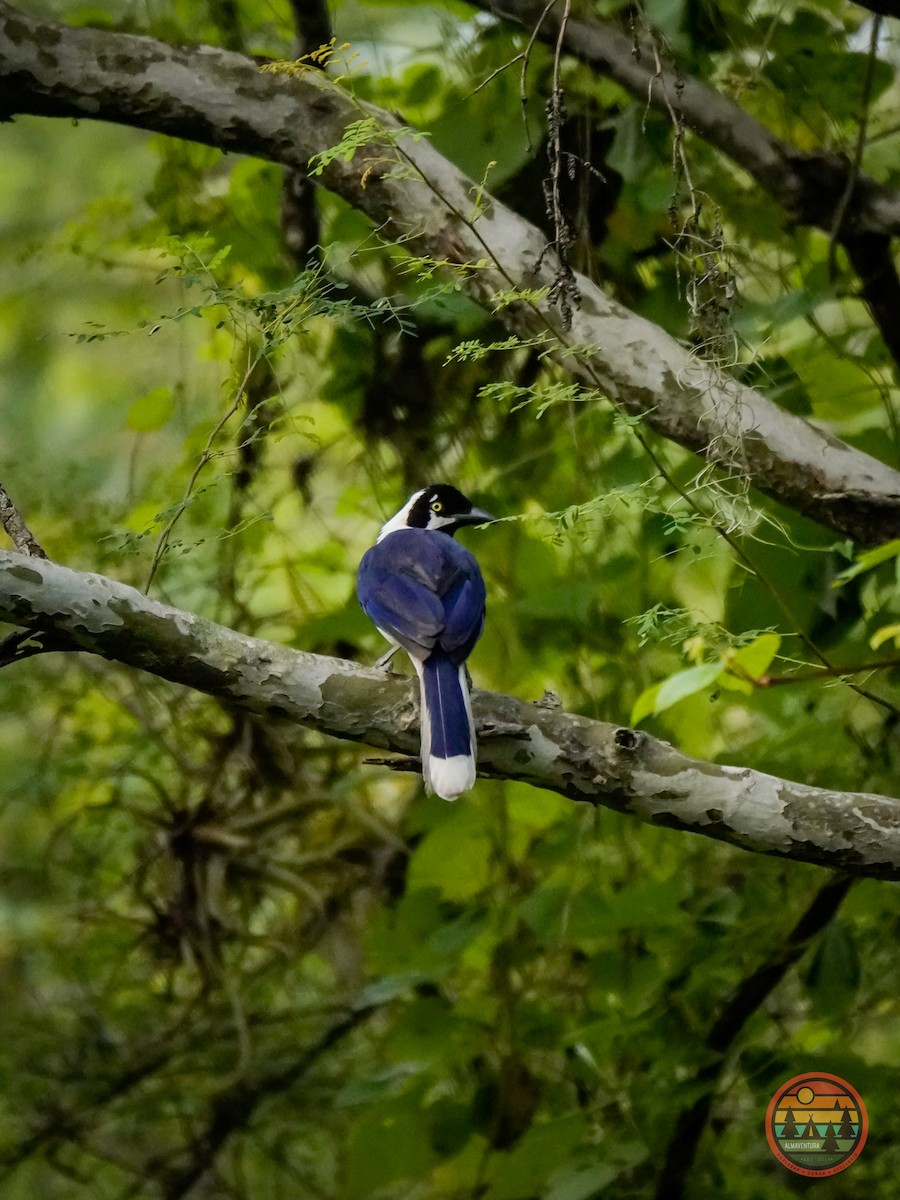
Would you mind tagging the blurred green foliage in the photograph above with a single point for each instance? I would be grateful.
(236, 959)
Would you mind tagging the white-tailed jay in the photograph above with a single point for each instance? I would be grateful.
(425, 593)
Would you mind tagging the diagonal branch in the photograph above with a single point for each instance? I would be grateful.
(808, 185)
(235, 1107)
(416, 197)
(750, 994)
(821, 188)
(582, 759)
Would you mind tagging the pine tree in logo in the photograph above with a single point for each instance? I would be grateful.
(830, 1145)
(847, 1126)
(790, 1129)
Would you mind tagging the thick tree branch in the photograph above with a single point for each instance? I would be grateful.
(582, 759)
(417, 197)
(808, 185)
(821, 188)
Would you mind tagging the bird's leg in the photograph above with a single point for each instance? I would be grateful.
(386, 657)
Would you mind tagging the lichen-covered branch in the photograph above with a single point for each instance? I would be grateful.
(820, 187)
(540, 744)
(809, 185)
(415, 196)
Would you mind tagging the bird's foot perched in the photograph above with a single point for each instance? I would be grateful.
(384, 663)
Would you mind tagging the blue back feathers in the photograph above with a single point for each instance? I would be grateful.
(425, 591)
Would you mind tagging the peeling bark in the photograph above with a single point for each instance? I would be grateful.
(584, 760)
(414, 195)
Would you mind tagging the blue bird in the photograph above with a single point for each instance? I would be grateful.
(425, 593)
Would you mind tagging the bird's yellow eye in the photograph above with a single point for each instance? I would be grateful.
(436, 506)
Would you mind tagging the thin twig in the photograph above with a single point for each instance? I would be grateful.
(817, 673)
(205, 458)
(564, 291)
(843, 204)
(526, 58)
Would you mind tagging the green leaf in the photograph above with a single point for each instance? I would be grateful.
(422, 82)
(869, 559)
(750, 662)
(631, 153)
(665, 15)
(580, 1183)
(152, 411)
(543, 910)
(218, 258)
(374, 1087)
(388, 988)
(756, 657)
(833, 977)
(677, 687)
(517, 1173)
(585, 1181)
(645, 705)
(387, 1144)
(455, 857)
(884, 634)
(647, 904)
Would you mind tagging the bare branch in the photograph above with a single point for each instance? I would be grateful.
(584, 760)
(841, 211)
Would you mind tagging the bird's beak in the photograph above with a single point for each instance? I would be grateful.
(477, 517)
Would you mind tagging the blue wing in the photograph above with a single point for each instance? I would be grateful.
(424, 590)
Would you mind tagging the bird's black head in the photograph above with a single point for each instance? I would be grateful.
(438, 506)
